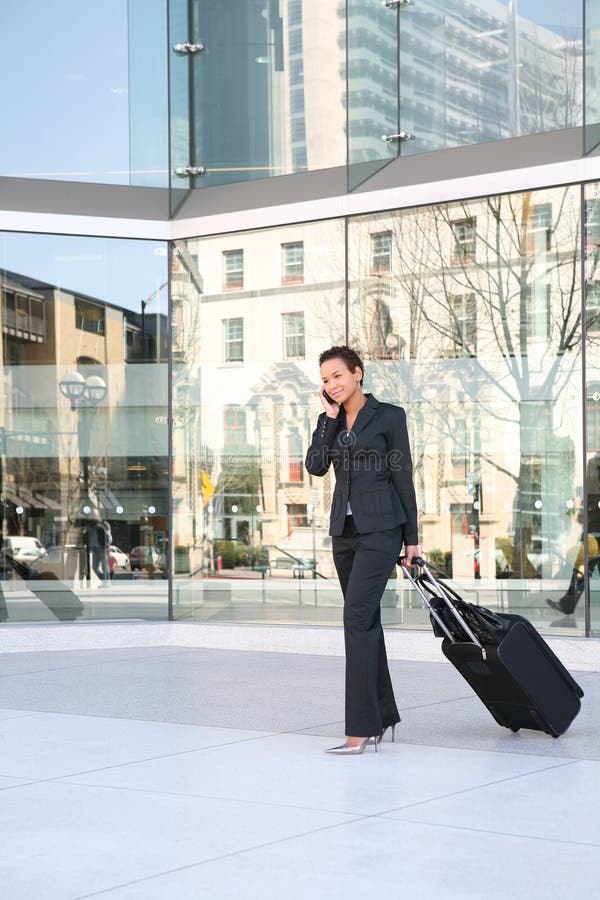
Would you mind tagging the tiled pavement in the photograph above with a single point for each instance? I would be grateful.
(184, 773)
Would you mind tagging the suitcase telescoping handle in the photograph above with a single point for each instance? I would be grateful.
(441, 594)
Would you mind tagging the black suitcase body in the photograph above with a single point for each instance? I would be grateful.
(519, 679)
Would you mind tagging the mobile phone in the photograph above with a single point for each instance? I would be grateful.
(327, 397)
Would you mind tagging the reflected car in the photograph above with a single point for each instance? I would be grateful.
(543, 554)
(23, 549)
(147, 558)
(118, 560)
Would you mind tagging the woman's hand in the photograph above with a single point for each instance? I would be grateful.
(331, 408)
(412, 551)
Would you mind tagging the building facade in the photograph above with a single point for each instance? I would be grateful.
(246, 184)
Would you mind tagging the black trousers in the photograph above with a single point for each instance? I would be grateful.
(363, 563)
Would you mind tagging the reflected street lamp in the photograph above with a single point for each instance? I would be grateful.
(85, 395)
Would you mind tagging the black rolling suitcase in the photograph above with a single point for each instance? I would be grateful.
(507, 663)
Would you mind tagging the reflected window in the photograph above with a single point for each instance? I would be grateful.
(297, 515)
(293, 263)
(233, 336)
(23, 316)
(233, 270)
(461, 450)
(234, 427)
(295, 458)
(381, 252)
(592, 308)
(89, 316)
(539, 230)
(293, 335)
(464, 241)
(463, 324)
(537, 323)
(592, 228)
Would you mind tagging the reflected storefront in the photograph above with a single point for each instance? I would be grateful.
(84, 427)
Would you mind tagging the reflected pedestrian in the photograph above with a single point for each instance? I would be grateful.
(98, 538)
(569, 600)
(373, 513)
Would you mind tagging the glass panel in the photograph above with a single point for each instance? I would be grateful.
(148, 95)
(372, 87)
(470, 74)
(266, 93)
(180, 128)
(83, 428)
(250, 526)
(63, 91)
(592, 74)
(592, 401)
(471, 319)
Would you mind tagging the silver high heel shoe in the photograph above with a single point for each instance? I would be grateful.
(345, 750)
(381, 734)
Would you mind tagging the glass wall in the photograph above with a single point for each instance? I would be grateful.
(592, 75)
(84, 91)
(260, 88)
(483, 71)
(470, 317)
(277, 69)
(372, 88)
(251, 312)
(83, 428)
(589, 555)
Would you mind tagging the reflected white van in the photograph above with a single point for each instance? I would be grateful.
(23, 549)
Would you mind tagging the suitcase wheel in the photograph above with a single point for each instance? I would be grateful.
(514, 730)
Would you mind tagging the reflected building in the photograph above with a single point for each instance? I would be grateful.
(60, 458)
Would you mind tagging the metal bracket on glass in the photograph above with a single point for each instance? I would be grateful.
(398, 136)
(184, 171)
(188, 47)
(391, 4)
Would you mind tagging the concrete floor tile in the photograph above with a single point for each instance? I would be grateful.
(51, 745)
(294, 770)
(85, 839)
(7, 782)
(558, 804)
(42, 660)
(467, 723)
(382, 858)
(15, 713)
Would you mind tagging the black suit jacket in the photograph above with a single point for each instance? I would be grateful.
(373, 469)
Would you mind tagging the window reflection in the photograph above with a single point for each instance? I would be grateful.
(591, 563)
(84, 427)
(484, 300)
(250, 525)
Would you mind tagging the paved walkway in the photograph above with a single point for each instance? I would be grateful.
(184, 773)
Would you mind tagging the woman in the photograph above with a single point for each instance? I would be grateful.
(373, 513)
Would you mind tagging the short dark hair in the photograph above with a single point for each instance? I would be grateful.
(347, 355)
